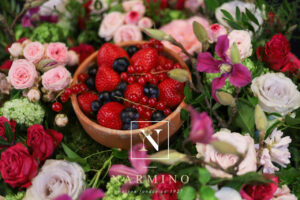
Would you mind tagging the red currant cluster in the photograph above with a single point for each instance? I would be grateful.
(152, 43)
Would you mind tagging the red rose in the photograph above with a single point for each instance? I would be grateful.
(84, 51)
(293, 65)
(6, 65)
(164, 185)
(275, 52)
(42, 142)
(17, 166)
(261, 192)
(11, 123)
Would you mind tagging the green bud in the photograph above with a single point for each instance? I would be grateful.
(225, 99)
(235, 54)
(180, 75)
(224, 147)
(200, 32)
(46, 64)
(174, 157)
(158, 34)
(260, 119)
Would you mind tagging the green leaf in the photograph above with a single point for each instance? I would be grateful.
(237, 13)
(253, 100)
(188, 94)
(8, 133)
(204, 175)
(227, 14)
(245, 116)
(293, 121)
(184, 114)
(207, 193)
(74, 157)
(199, 99)
(69, 152)
(233, 24)
(211, 5)
(200, 32)
(271, 128)
(251, 16)
(187, 193)
(120, 154)
(235, 54)
(3, 142)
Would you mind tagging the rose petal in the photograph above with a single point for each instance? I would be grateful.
(139, 164)
(222, 46)
(206, 63)
(63, 197)
(218, 83)
(240, 75)
(92, 194)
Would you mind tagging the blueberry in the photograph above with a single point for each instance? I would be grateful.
(127, 126)
(158, 115)
(121, 64)
(104, 97)
(122, 86)
(96, 105)
(151, 91)
(93, 71)
(117, 93)
(129, 114)
(132, 50)
(90, 82)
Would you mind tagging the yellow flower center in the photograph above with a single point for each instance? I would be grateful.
(225, 68)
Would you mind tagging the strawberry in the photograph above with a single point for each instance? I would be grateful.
(108, 53)
(106, 79)
(85, 100)
(134, 89)
(147, 58)
(109, 115)
(171, 92)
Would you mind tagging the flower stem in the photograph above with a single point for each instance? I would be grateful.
(98, 153)
(95, 180)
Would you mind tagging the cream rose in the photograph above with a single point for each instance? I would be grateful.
(56, 79)
(57, 177)
(34, 52)
(243, 144)
(73, 58)
(276, 93)
(110, 25)
(134, 5)
(22, 74)
(15, 49)
(243, 42)
(145, 22)
(127, 33)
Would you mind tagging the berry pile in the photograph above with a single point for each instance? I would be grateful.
(129, 85)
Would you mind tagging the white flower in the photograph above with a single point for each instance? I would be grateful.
(5, 86)
(61, 120)
(266, 162)
(284, 193)
(276, 93)
(50, 7)
(227, 193)
(134, 5)
(73, 58)
(15, 49)
(57, 177)
(128, 32)
(110, 25)
(243, 43)
(145, 22)
(215, 31)
(231, 8)
(278, 147)
(243, 144)
(194, 5)
(33, 95)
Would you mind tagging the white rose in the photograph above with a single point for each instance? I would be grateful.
(134, 5)
(15, 49)
(145, 22)
(284, 193)
(243, 144)
(243, 42)
(73, 58)
(49, 7)
(128, 33)
(276, 93)
(110, 25)
(231, 8)
(227, 193)
(57, 177)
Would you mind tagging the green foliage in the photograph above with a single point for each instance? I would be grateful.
(207, 193)
(187, 193)
(290, 177)
(19, 196)
(46, 33)
(204, 176)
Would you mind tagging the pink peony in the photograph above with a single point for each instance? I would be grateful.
(182, 31)
(110, 25)
(127, 33)
(57, 51)
(145, 22)
(56, 79)
(22, 74)
(34, 52)
(134, 5)
(215, 31)
(132, 17)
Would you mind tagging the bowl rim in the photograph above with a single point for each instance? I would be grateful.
(88, 60)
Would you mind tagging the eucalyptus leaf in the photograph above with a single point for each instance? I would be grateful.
(200, 32)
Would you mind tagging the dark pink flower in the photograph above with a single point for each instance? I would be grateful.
(238, 74)
(88, 194)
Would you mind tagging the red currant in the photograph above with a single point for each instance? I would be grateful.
(168, 66)
(177, 66)
(144, 124)
(131, 69)
(147, 114)
(75, 89)
(142, 81)
(56, 107)
(152, 102)
(64, 98)
(140, 109)
(167, 111)
(124, 76)
(159, 68)
(133, 98)
(160, 105)
(154, 80)
(144, 100)
(162, 76)
(131, 79)
(82, 77)
(148, 76)
(68, 91)
(139, 69)
(83, 87)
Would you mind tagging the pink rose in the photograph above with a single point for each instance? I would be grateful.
(34, 52)
(134, 5)
(73, 58)
(194, 5)
(57, 51)
(215, 31)
(110, 25)
(56, 79)
(127, 33)
(243, 144)
(22, 74)
(15, 49)
(145, 22)
(132, 17)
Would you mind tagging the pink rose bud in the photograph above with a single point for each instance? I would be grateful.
(61, 120)
(22, 74)
(145, 22)
(73, 58)
(58, 52)
(15, 49)
(34, 52)
(56, 79)
(132, 17)
(216, 30)
(127, 32)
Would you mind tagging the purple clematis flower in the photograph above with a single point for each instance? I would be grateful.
(238, 74)
(139, 167)
(88, 194)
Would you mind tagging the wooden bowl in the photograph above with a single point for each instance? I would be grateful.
(125, 138)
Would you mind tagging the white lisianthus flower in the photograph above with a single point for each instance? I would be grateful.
(243, 43)
(57, 177)
(231, 8)
(276, 93)
(227, 193)
(243, 143)
(266, 162)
